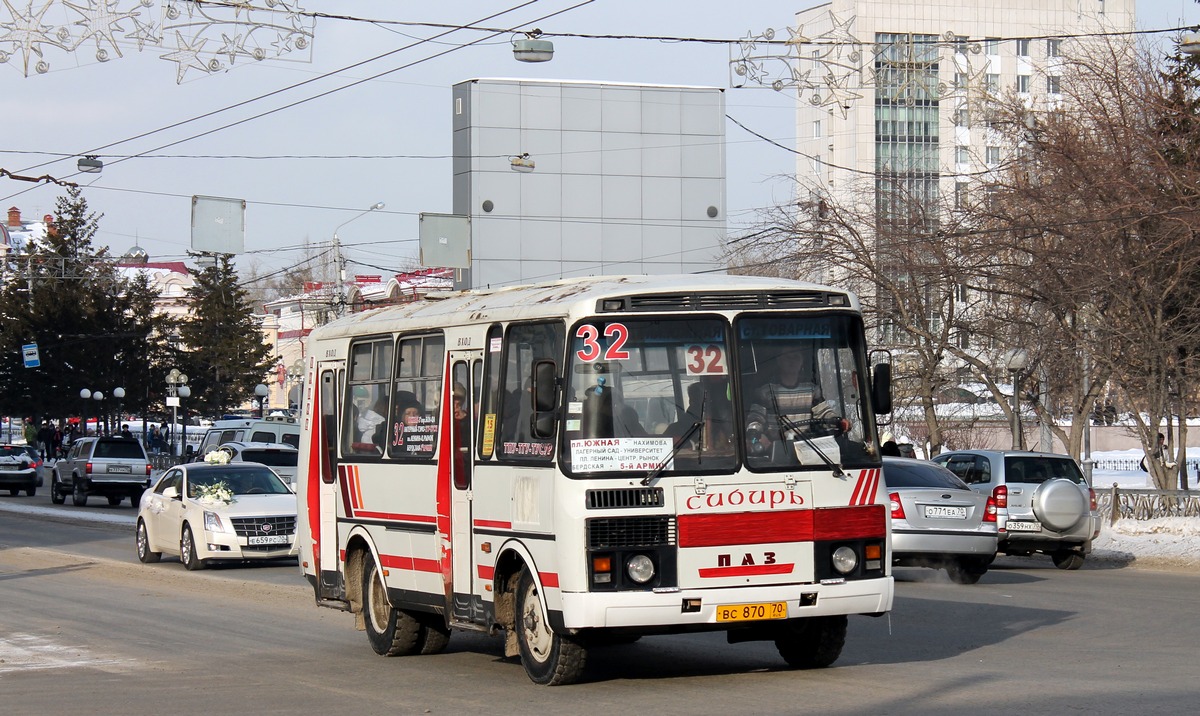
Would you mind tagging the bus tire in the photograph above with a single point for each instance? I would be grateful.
(390, 631)
(434, 638)
(812, 642)
(550, 659)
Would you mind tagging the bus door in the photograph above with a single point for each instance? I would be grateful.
(466, 369)
(325, 484)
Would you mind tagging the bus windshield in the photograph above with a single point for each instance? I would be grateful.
(663, 393)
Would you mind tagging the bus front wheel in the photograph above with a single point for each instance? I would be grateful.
(812, 642)
(390, 631)
(549, 658)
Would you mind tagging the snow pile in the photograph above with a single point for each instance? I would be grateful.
(1165, 543)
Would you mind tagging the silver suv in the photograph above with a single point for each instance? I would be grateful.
(1043, 501)
(113, 467)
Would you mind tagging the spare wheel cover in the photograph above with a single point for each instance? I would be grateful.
(1059, 504)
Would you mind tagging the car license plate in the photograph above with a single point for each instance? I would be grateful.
(268, 539)
(124, 469)
(1023, 526)
(944, 511)
(751, 612)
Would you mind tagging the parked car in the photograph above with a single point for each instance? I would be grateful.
(19, 469)
(113, 467)
(1044, 503)
(206, 512)
(280, 457)
(937, 521)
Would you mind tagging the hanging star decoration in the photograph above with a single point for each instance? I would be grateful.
(213, 36)
(26, 34)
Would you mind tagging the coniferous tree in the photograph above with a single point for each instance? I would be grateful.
(225, 356)
(94, 329)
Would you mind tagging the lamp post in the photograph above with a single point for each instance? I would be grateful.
(341, 260)
(176, 389)
(261, 390)
(98, 396)
(85, 395)
(295, 375)
(1016, 359)
(119, 394)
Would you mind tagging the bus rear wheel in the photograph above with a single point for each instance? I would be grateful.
(813, 642)
(390, 631)
(549, 658)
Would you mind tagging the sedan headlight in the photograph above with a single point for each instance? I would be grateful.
(213, 522)
(845, 559)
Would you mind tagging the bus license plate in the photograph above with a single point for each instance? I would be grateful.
(751, 612)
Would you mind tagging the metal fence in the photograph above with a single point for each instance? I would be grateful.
(162, 461)
(1143, 504)
(1134, 464)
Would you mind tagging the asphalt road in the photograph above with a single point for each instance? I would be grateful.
(86, 629)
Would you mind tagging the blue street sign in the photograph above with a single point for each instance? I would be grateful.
(30, 351)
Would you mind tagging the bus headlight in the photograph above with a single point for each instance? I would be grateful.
(640, 568)
(844, 559)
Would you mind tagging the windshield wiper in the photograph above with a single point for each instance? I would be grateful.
(683, 439)
(786, 423)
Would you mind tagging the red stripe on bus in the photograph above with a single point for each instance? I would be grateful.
(411, 564)
(445, 462)
(501, 524)
(549, 579)
(834, 523)
(316, 460)
(749, 570)
(344, 484)
(355, 487)
(864, 489)
(394, 517)
(745, 528)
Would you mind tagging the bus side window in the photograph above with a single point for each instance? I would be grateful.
(412, 428)
(369, 392)
(526, 344)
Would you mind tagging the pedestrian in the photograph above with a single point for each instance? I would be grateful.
(125, 432)
(56, 442)
(44, 436)
(31, 433)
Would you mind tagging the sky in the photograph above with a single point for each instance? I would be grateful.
(315, 167)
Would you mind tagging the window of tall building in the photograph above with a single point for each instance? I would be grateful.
(1023, 83)
(991, 46)
(962, 155)
(960, 80)
(817, 129)
(993, 83)
(907, 127)
(1053, 47)
(993, 156)
(962, 118)
(961, 198)
(1052, 84)
(1023, 47)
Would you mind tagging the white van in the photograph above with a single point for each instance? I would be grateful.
(271, 429)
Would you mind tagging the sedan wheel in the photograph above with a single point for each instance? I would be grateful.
(966, 570)
(56, 495)
(143, 545)
(14, 491)
(187, 550)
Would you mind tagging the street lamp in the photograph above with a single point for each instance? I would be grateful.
(97, 396)
(1016, 359)
(341, 260)
(295, 375)
(85, 395)
(176, 389)
(261, 390)
(119, 394)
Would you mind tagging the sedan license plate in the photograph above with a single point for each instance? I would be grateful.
(1023, 526)
(268, 539)
(123, 469)
(751, 612)
(949, 512)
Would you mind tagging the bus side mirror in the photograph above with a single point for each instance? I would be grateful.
(881, 388)
(545, 388)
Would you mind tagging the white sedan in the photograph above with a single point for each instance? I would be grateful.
(206, 512)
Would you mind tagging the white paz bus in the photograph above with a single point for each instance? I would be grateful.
(595, 460)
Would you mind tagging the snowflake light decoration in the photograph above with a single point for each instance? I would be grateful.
(196, 35)
(835, 68)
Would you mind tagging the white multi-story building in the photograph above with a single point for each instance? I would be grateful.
(895, 91)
